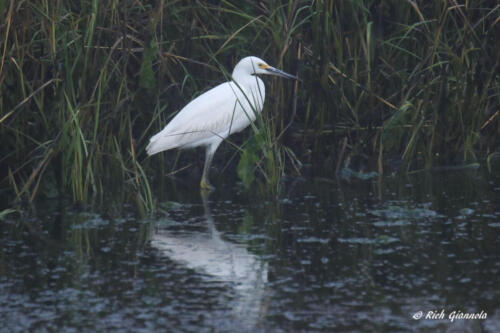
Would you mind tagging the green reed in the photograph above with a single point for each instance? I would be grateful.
(85, 84)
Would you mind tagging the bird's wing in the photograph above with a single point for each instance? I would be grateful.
(220, 111)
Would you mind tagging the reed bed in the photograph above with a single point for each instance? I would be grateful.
(394, 85)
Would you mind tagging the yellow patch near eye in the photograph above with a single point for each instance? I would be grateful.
(263, 66)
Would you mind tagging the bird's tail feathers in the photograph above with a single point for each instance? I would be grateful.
(152, 148)
(159, 143)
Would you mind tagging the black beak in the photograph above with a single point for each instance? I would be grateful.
(277, 72)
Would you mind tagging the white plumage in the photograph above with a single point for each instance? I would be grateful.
(211, 117)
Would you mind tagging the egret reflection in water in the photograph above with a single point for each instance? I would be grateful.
(221, 260)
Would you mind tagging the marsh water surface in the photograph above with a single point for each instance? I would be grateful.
(331, 255)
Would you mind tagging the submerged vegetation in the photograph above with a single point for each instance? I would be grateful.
(394, 85)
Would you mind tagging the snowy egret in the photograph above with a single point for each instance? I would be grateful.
(211, 117)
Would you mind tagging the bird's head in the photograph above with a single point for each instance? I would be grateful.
(257, 66)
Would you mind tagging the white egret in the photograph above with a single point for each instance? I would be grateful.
(211, 117)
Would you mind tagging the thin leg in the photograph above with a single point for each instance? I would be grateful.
(209, 154)
(205, 184)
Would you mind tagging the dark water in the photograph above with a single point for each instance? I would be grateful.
(327, 255)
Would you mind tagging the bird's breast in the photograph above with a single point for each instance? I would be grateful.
(251, 93)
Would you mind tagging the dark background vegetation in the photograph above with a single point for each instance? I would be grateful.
(387, 86)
